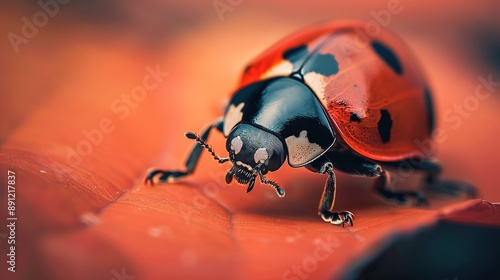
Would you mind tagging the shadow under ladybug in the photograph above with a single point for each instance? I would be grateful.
(325, 108)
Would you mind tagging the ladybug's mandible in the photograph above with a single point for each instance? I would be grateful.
(326, 98)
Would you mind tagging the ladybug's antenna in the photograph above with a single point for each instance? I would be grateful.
(279, 191)
(257, 170)
(194, 136)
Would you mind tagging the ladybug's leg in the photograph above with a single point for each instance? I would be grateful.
(328, 198)
(451, 187)
(361, 167)
(192, 160)
(398, 197)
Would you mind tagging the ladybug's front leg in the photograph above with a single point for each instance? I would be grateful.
(192, 160)
(328, 200)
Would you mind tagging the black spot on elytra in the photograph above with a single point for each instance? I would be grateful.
(296, 56)
(388, 56)
(324, 64)
(354, 118)
(385, 125)
(431, 121)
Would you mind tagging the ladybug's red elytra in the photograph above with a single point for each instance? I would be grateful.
(324, 99)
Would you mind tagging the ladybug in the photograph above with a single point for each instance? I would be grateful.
(328, 97)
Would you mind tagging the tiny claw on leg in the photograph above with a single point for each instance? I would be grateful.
(344, 217)
(166, 176)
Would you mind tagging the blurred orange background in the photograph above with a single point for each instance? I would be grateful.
(71, 71)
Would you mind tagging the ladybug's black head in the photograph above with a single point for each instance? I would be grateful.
(254, 151)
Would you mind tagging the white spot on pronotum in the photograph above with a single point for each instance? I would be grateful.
(233, 117)
(260, 155)
(236, 144)
(316, 82)
(301, 150)
(43, 171)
